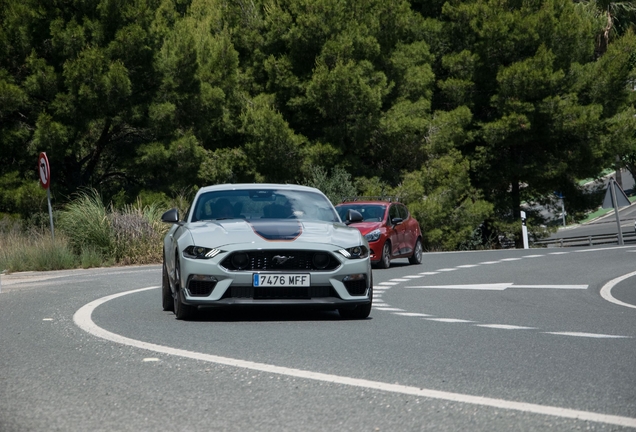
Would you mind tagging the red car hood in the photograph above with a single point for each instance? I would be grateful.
(366, 227)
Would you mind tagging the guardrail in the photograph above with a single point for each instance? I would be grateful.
(591, 240)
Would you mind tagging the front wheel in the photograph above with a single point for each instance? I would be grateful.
(166, 294)
(416, 258)
(360, 311)
(181, 310)
(385, 259)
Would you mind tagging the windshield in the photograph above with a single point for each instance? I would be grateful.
(369, 212)
(263, 204)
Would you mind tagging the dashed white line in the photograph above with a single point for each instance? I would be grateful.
(388, 283)
(83, 320)
(449, 320)
(413, 277)
(429, 273)
(558, 253)
(398, 280)
(447, 269)
(589, 335)
(489, 262)
(511, 259)
(468, 266)
(391, 309)
(533, 256)
(412, 314)
(504, 326)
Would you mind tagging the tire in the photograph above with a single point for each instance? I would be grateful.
(181, 310)
(166, 294)
(416, 258)
(360, 311)
(385, 258)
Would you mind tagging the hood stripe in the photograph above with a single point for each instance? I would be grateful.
(276, 230)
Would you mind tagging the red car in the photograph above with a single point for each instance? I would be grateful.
(389, 228)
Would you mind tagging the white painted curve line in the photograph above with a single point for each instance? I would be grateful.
(589, 335)
(606, 291)
(83, 320)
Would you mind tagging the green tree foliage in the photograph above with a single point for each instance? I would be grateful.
(465, 109)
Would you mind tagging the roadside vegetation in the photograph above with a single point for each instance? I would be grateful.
(466, 110)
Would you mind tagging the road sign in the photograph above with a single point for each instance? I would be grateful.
(45, 181)
(621, 197)
(45, 171)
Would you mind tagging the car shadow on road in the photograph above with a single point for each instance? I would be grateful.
(266, 314)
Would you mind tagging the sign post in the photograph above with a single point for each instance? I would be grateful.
(615, 197)
(45, 181)
(524, 230)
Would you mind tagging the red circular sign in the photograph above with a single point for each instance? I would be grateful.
(45, 170)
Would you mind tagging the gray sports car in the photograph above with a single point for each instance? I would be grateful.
(265, 244)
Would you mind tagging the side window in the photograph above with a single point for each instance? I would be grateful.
(393, 212)
(404, 213)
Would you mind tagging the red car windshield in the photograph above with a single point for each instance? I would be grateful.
(369, 212)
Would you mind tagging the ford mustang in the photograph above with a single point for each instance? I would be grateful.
(265, 244)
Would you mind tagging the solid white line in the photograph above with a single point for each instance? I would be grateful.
(589, 335)
(551, 286)
(604, 249)
(606, 291)
(83, 320)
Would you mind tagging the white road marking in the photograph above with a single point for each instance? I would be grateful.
(533, 256)
(429, 273)
(489, 262)
(446, 269)
(606, 291)
(47, 319)
(83, 320)
(468, 266)
(589, 335)
(151, 359)
(390, 309)
(388, 283)
(559, 253)
(399, 280)
(511, 259)
(413, 276)
(411, 314)
(449, 320)
(604, 249)
(504, 326)
(499, 286)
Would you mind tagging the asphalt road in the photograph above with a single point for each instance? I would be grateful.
(602, 226)
(481, 341)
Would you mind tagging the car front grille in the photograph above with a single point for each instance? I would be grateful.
(356, 287)
(274, 293)
(286, 260)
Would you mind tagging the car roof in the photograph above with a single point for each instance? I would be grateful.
(364, 202)
(246, 186)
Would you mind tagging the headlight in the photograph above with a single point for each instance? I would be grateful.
(373, 235)
(199, 252)
(356, 252)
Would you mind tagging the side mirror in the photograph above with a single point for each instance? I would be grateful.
(396, 221)
(353, 216)
(171, 216)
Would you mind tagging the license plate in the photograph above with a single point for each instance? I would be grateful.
(280, 280)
